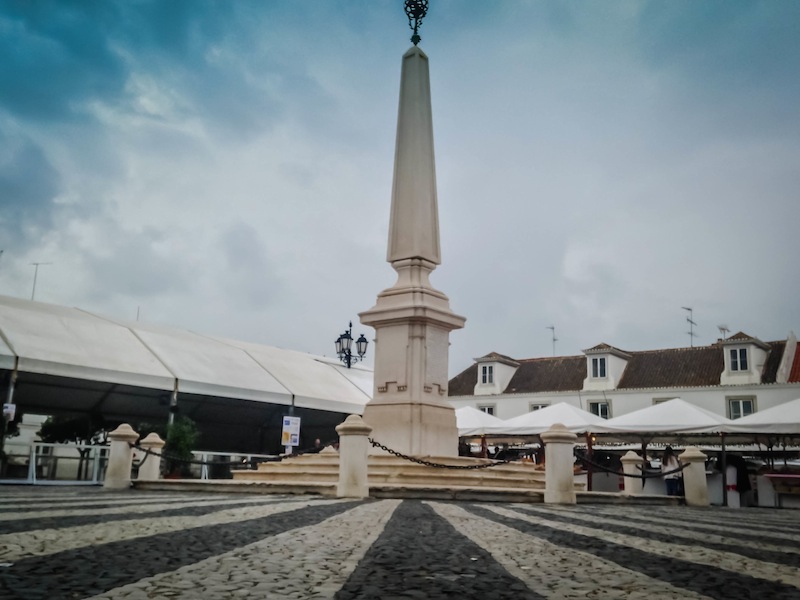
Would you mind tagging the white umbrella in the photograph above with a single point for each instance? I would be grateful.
(573, 418)
(673, 416)
(471, 421)
(782, 419)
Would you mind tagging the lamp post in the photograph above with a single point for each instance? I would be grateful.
(344, 346)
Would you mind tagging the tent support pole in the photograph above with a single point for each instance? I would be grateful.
(724, 465)
(644, 461)
(173, 405)
(589, 455)
(12, 380)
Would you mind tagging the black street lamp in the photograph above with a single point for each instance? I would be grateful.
(344, 345)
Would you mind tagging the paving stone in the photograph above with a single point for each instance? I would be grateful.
(133, 545)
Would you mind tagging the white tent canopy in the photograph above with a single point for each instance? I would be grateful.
(471, 421)
(783, 419)
(69, 360)
(673, 416)
(573, 418)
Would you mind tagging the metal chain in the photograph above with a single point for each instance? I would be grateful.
(427, 463)
(642, 475)
(167, 456)
(187, 461)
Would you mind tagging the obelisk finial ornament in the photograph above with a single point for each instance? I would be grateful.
(416, 11)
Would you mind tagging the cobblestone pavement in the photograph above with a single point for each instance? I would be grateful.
(62, 543)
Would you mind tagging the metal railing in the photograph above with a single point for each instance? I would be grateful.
(57, 464)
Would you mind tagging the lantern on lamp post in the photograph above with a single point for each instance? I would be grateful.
(344, 347)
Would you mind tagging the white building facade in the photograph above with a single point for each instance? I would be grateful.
(733, 377)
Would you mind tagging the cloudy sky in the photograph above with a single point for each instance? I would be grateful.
(226, 167)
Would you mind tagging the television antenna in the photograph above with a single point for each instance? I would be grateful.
(36, 274)
(723, 331)
(692, 325)
(555, 339)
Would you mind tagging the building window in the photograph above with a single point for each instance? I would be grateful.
(487, 408)
(487, 374)
(598, 368)
(739, 359)
(532, 407)
(741, 407)
(601, 409)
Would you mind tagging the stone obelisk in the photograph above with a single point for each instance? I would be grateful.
(409, 411)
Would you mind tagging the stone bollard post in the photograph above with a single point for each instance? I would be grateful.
(559, 464)
(632, 464)
(353, 451)
(695, 484)
(120, 457)
(150, 469)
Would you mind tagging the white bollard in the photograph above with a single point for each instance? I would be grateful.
(632, 466)
(559, 464)
(695, 486)
(353, 452)
(120, 457)
(150, 469)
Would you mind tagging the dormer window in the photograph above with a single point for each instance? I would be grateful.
(599, 368)
(739, 359)
(487, 374)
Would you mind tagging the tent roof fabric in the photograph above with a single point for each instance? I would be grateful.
(45, 339)
(672, 416)
(782, 419)
(471, 421)
(573, 418)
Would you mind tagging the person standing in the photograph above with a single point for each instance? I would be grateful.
(669, 464)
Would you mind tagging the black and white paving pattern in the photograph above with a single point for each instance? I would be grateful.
(65, 543)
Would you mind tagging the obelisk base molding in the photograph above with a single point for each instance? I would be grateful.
(413, 428)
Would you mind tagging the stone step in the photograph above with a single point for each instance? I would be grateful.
(392, 470)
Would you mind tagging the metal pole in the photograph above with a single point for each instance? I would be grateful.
(9, 400)
(173, 404)
(724, 465)
(35, 275)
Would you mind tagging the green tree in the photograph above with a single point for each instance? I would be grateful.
(182, 437)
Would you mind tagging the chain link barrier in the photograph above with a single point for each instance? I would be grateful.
(642, 475)
(171, 457)
(166, 456)
(427, 463)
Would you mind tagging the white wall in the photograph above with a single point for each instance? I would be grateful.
(625, 401)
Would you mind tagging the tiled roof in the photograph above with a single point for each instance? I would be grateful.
(769, 373)
(740, 335)
(557, 374)
(673, 367)
(463, 384)
(495, 356)
(794, 373)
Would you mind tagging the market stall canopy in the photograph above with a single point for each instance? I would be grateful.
(573, 418)
(67, 359)
(783, 419)
(471, 421)
(673, 416)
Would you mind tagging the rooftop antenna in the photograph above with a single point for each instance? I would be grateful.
(35, 275)
(692, 325)
(555, 339)
(723, 331)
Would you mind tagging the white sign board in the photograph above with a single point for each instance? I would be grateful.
(9, 411)
(290, 436)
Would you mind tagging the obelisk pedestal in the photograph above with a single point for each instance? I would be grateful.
(409, 411)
